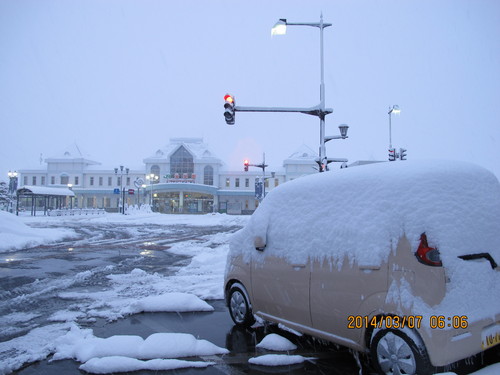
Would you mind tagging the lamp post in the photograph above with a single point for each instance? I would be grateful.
(153, 179)
(121, 200)
(12, 186)
(394, 109)
(280, 29)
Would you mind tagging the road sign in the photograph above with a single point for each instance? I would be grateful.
(116, 191)
(138, 182)
(131, 191)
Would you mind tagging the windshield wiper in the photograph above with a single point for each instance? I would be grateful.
(486, 256)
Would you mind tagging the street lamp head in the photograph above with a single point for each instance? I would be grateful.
(279, 28)
(116, 170)
(395, 109)
(343, 130)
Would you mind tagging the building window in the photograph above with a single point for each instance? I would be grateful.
(107, 202)
(52, 180)
(76, 180)
(266, 183)
(181, 162)
(33, 180)
(118, 181)
(64, 180)
(128, 181)
(25, 180)
(208, 175)
(237, 183)
(246, 205)
(43, 180)
(100, 181)
(110, 182)
(91, 181)
(276, 182)
(228, 182)
(155, 170)
(247, 182)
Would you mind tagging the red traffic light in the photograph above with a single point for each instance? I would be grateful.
(246, 163)
(229, 98)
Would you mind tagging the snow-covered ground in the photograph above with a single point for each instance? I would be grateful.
(130, 293)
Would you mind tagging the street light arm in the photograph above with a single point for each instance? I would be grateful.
(313, 24)
(314, 111)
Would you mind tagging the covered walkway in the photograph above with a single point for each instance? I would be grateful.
(44, 197)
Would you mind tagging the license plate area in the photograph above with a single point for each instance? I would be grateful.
(490, 336)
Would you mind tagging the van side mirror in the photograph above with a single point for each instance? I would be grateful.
(259, 243)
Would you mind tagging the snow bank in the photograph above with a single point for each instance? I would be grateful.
(15, 234)
(359, 213)
(82, 345)
(109, 365)
(177, 302)
(123, 352)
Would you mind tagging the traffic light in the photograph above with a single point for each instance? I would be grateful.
(402, 153)
(229, 109)
(246, 163)
(392, 154)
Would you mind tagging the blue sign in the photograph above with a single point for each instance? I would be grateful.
(116, 191)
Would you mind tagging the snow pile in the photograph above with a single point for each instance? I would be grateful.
(124, 352)
(359, 213)
(276, 360)
(276, 342)
(177, 302)
(14, 234)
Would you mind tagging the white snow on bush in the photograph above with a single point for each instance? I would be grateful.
(109, 365)
(276, 342)
(15, 234)
(359, 213)
(82, 345)
(276, 360)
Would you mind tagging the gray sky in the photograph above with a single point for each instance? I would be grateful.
(122, 77)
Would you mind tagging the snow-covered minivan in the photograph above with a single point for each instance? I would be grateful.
(398, 260)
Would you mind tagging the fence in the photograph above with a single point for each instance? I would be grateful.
(77, 212)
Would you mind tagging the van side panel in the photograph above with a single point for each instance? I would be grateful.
(337, 293)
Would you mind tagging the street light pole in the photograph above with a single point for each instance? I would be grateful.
(393, 155)
(121, 200)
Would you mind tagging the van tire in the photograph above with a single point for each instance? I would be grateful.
(239, 307)
(393, 352)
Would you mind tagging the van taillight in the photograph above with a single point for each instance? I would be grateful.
(428, 255)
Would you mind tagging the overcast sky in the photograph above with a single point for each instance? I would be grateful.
(120, 78)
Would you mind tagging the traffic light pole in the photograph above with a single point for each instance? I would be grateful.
(319, 110)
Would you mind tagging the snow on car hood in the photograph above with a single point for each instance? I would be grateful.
(360, 212)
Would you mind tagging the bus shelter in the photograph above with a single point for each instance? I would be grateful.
(42, 197)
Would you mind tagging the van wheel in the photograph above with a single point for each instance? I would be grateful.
(395, 353)
(239, 307)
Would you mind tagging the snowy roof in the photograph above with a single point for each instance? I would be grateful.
(43, 190)
(303, 155)
(71, 152)
(194, 146)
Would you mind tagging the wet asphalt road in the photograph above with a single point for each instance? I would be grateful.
(29, 280)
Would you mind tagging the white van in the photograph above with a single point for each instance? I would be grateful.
(395, 259)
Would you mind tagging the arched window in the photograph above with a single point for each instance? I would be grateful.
(208, 175)
(155, 170)
(181, 162)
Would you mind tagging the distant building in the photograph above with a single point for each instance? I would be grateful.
(183, 177)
